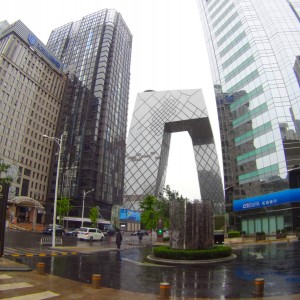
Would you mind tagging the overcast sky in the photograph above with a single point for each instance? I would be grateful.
(168, 53)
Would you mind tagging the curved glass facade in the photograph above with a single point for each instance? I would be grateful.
(253, 48)
(156, 115)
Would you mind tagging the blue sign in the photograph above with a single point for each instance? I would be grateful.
(123, 214)
(126, 214)
(33, 41)
(282, 197)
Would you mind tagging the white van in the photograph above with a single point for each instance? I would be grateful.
(91, 234)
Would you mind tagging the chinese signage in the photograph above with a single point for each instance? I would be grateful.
(282, 197)
(33, 41)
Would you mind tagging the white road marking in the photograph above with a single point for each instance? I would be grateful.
(36, 296)
(4, 276)
(258, 255)
(12, 286)
(146, 264)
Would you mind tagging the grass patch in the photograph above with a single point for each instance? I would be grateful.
(180, 254)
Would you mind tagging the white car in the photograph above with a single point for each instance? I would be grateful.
(90, 234)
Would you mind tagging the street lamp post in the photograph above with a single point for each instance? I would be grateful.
(83, 199)
(58, 142)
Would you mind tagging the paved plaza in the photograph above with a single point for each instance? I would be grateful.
(127, 275)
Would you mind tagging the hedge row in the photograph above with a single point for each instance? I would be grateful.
(179, 254)
(234, 234)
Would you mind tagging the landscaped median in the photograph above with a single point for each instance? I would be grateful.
(182, 254)
(166, 255)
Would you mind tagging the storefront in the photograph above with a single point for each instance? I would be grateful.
(24, 209)
(269, 213)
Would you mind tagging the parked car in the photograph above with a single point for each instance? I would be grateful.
(58, 229)
(142, 232)
(72, 231)
(90, 234)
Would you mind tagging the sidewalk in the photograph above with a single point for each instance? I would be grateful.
(9, 265)
(251, 240)
(69, 289)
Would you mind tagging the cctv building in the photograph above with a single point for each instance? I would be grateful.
(156, 116)
(254, 49)
(31, 90)
(96, 55)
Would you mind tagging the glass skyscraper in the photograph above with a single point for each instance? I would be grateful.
(253, 48)
(157, 114)
(96, 54)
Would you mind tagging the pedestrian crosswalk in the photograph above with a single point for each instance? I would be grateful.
(29, 252)
(25, 291)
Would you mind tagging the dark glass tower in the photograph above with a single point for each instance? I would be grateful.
(96, 53)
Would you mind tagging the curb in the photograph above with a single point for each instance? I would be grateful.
(15, 268)
(8, 265)
(164, 261)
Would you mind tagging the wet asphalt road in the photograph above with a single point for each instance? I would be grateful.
(278, 263)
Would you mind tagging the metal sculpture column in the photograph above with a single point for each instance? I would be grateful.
(191, 225)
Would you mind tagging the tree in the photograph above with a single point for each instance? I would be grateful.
(155, 208)
(4, 178)
(63, 208)
(93, 215)
(150, 211)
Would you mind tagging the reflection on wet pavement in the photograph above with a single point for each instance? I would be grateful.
(277, 263)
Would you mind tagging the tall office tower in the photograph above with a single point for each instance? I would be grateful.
(253, 47)
(96, 52)
(156, 116)
(31, 90)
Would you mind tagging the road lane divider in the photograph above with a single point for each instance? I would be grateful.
(40, 254)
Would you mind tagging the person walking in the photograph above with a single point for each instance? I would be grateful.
(140, 235)
(119, 239)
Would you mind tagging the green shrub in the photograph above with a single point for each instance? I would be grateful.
(180, 254)
(166, 239)
(234, 234)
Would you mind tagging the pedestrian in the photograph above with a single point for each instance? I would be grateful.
(140, 235)
(118, 239)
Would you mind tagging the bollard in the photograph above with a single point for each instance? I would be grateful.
(164, 290)
(41, 268)
(96, 281)
(259, 286)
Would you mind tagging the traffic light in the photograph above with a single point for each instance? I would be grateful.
(160, 228)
